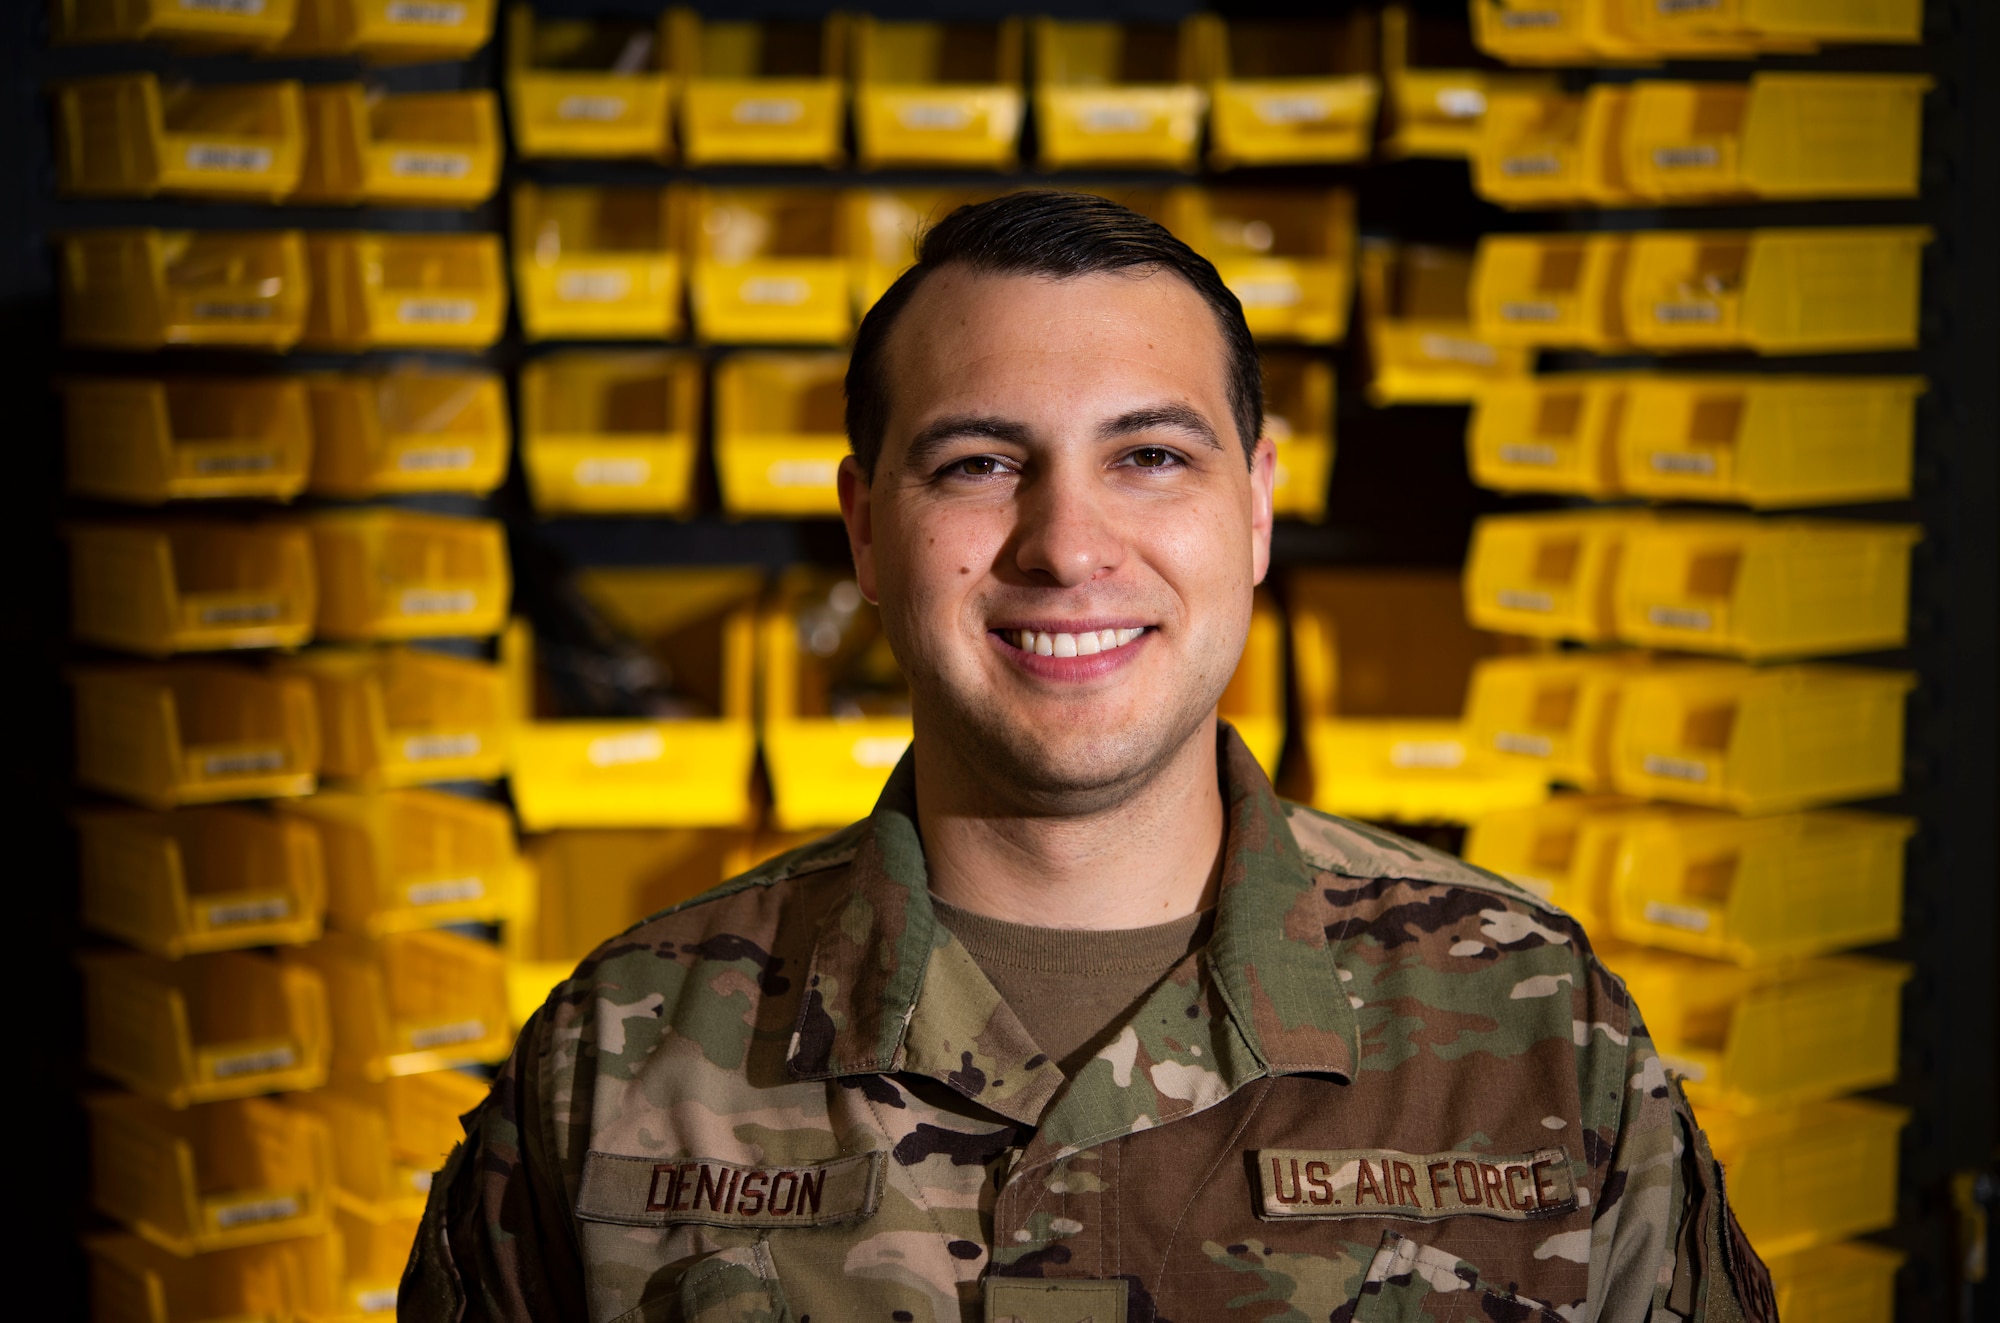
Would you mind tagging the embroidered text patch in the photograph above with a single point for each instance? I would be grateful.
(1302, 1182)
(649, 1192)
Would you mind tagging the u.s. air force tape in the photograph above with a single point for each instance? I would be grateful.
(1373, 1182)
(651, 1192)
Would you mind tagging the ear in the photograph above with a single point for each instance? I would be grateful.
(857, 511)
(1263, 481)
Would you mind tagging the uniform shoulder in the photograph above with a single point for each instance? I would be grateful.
(828, 852)
(1357, 850)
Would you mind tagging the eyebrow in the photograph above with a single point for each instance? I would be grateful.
(1176, 417)
(934, 436)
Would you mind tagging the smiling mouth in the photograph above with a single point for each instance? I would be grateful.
(1083, 643)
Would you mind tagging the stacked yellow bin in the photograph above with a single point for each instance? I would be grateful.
(1691, 677)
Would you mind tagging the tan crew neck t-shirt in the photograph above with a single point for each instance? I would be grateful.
(1071, 987)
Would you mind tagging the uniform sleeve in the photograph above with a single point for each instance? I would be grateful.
(497, 1240)
(1665, 1247)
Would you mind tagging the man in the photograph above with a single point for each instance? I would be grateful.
(1083, 1022)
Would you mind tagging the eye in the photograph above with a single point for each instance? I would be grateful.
(1153, 457)
(974, 466)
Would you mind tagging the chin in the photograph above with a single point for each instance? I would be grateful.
(1055, 762)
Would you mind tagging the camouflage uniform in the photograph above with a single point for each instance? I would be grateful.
(1391, 1087)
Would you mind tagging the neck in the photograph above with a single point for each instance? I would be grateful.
(1153, 856)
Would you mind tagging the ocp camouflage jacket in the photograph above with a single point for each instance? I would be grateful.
(1392, 1086)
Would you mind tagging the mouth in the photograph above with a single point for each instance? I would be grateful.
(1073, 642)
(1078, 652)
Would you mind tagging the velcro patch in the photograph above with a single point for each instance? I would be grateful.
(1355, 1182)
(1039, 1300)
(648, 1192)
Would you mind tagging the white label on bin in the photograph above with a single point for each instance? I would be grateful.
(436, 601)
(443, 1035)
(1680, 617)
(1687, 6)
(430, 748)
(1698, 312)
(1533, 454)
(253, 1062)
(420, 1181)
(928, 115)
(380, 1300)
(784, 291)
(1294, 110)
(261, 461)
(425, 13)
(434, 459)
(436, 312)
(430, 165)
(1539, 310)
(1268, 293)
(229, 160)
(445, 891)
(1674, 769)
(593, 286)
(612, 472)
(1692, 918)
(1531, 18)
(640, 746)
(263, 909)
(1692, 1071)
(1456, 349)
(243, 762)
(1461, 102)
(1696, 156)
(239, 8)
(879, 750)
(1524, 743)
(249, 1212)
(1426, 753)
(1113, 119)
(599, 109)
(1682, 461)
(231, 310)
(1529, 167)
(768, 110)
(803, 472)
(241, 613)
(1525, 599)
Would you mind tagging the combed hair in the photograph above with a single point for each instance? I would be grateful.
(1058, 235)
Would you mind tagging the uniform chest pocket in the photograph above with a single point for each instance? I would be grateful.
(1408, 1282)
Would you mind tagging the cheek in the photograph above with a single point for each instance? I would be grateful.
(934, 559)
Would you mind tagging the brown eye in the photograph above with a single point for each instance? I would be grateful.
(1152, 457)
(979, 466)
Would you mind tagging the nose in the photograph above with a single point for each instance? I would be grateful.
(1066, 536)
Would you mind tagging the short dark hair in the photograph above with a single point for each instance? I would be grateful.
(1043, 232)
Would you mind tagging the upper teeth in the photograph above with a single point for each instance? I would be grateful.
(1087, 644)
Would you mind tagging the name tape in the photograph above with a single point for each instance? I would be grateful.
(636, 1191)
(1321, 1183)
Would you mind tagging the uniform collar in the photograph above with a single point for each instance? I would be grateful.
(1269, 960)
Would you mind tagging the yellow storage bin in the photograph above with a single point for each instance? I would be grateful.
(1743, 27)
(835, 709)
(1761, 890)
(1552, 576)
(133, 1282)
(1766, 588)
(1410, 770)
(1381, 643)
(1776, 136)
(147, 442)
(591, 87)
(1121, 94)
(1552, 291)
(200, 880)
(883, 225)
(375, 1248)
(146, 289)
(771, 265)
(1540, 147)
(1287, 255)
(204, 1029)
(1436, 86)
(210, 1178)
(1298, 417)
(780, 433)
(1551, 711)
(1769, 442)
(1854, 1282)
(766, 93)
(405, 291)
(1294, 92)
(1761, 1039)
(611, 433)
(402, 717)
(410, 1002)
(1812, 1176)
(1565, 850)
(389, 31)
(408, 429)
(937, 93)
(599, 263)
(194, 734)
(1422, 346)
(589, 886)
(1254, 702)
(424, 149)
(213, 26)
(159, 589)
(1556, 434)
(1775, 291)
(690, 769)
(391, 1137)
(126, 136)
(1761, 740)
(392, 574)
(405, 859)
